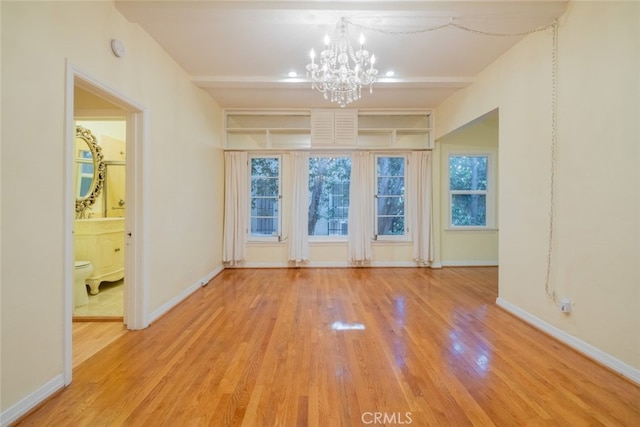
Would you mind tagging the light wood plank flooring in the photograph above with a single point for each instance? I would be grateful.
(260, 348)
(91, 337)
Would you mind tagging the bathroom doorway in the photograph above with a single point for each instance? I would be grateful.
(99, 236)
(104, 224)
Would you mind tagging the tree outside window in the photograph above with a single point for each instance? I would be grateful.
(390, 196)
(329, 196)
(468, 190)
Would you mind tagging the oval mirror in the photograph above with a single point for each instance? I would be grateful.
(89, 171)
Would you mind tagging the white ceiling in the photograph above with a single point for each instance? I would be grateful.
(241, 51)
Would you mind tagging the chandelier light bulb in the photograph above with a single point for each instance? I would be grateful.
(341, 72)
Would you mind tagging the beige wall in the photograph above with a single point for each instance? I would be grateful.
(109, 128)
(185, 171)
(468, 247)
(597, 212)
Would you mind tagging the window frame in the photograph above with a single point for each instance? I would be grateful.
(489, 193)
(330, 238)
(261, 238)
(390, 237)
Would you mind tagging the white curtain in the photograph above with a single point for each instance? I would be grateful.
(236, 207)
(420, 206)
(298, 232)
(361, 208)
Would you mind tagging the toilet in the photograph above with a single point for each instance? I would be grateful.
(83, 269)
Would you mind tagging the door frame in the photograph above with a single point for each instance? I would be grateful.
(136, 230)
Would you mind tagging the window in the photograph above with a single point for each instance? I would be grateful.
(265, 197)
(85, 173)
(390, 196)
(468, 190)
(329, 196)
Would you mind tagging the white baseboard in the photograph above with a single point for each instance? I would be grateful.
(156, 314)
(472, 263)
(335, 264)
(14, 412)
(395, 264)
(585, 348)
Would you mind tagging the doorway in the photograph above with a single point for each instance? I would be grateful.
(99, 237)
(96, 105)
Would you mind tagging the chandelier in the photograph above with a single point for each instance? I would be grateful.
(342, 72)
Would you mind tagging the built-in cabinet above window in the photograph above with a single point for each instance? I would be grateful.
(267, 129)
(395, 129)
(320, 129)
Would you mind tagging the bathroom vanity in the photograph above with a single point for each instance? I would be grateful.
(101, 241)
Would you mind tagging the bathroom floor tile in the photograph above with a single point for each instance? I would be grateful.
(108, 302)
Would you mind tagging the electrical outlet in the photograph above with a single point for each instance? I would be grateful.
(565, 305)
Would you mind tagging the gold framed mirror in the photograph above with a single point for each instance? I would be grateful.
(89, 172)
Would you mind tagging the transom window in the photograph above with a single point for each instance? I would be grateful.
(390, 196)
(468, 190)
(265, 197)
(329, 195)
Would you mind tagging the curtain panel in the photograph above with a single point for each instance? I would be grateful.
(420, 206)
(236, 207)
(361, 208)
(298, 232)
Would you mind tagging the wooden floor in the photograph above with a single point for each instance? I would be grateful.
(332, 347)
(91, 337)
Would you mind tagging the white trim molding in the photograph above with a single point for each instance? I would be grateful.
(334, 264)
(160, 311)
(577, 344)
(32, 400)
(472, 263)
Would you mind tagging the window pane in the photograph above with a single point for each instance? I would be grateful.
(85, 186)
(329, 196)
(390, 206)
(265, 167)
(391, 186)
(468, 173)
(390, 166)
(469, 209)
(264, 226)
(264, 186)
(391, 226)
(264, 207)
